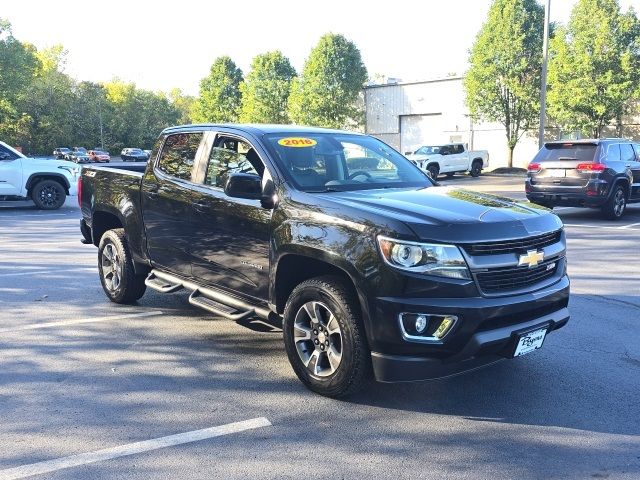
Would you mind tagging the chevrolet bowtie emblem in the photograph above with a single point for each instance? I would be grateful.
(532, 258)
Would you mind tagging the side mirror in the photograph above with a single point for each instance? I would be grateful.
(243, 185)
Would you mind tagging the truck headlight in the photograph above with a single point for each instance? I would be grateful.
(74, 171)
(431, 258)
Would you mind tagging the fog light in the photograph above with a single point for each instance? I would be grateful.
(444, 327)
(426, 327)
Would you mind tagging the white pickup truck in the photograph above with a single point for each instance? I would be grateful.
(46, 182)
(449, 159)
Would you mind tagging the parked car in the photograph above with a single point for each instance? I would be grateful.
(450, 159)
(78, 155)
(98, 156)
(46, 182)
(603, 174)
(61, 152)
(133, 155)
(371, 270)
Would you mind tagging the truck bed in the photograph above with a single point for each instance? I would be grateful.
(107, 186)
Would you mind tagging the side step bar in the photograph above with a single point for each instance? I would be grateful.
(199, 300)
(209, 299)
(161, 285)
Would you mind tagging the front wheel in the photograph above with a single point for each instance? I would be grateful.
(433, 170)
(615, 206)
(117, 275)
(48, 195)
(324, 337)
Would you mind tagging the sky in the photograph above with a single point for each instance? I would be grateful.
(162, 44)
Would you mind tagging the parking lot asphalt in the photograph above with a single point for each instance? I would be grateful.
(79, 374)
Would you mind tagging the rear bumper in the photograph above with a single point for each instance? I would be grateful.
(593, 194)
(571, 199)
(482, 349)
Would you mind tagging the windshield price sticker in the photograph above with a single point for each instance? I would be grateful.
(297, 142)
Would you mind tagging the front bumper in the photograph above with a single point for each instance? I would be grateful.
(485, 332)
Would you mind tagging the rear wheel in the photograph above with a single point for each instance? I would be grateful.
(48, 195)
(433, 170)
(117, 275)
(615, 206)
(476, 168)
(324, 337)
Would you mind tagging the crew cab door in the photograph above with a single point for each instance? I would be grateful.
(230, 242)
(459, 159)
(10, 172)
(167, 201)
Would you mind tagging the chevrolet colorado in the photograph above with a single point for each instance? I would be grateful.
(372, 267)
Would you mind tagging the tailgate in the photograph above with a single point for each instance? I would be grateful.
(558, 164)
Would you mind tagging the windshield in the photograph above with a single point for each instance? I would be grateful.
(135, 150)
(428, 150)
(319, 162)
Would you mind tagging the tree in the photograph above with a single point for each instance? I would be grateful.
(183, 103)
(18, 66)
(594, 67)
(219, 99)
(327, 93)
(503, 81)
(266, 89)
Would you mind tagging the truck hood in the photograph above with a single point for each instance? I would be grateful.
(449, 214)
(420, 157)
(49, 165)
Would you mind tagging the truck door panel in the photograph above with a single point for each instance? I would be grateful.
(167, 201)
(230, 242)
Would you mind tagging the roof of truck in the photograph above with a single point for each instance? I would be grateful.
(257, 129)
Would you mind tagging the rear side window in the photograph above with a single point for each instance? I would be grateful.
(179, 154)
(584, 152)
(611, 152)
(627, 154)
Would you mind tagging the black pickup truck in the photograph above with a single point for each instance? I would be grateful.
(371, 266)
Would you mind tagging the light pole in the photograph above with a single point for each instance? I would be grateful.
(543, 83)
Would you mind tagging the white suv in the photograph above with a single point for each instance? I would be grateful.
(46, 182)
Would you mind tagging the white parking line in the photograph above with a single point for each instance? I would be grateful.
(629, 226)
(606, 227)
(24, 273)
(131, 449)
(35, 326)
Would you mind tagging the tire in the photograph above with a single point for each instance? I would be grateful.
(119, 280)
(339, 331)
(450, 174)
(48, 195)
(434, 170)
(476, 168)
(616, 204)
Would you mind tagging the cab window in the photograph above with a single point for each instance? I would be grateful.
(179, 154)
(231, 155)
(6, 154)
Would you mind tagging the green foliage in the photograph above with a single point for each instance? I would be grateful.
(327, 94)
(266, 89)
(219, 99)
(594, 68)
(183, 103)
(503, 81)
(41, 107)
(18, 66)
